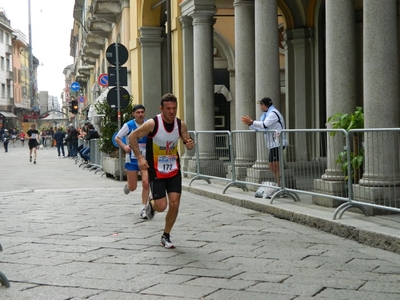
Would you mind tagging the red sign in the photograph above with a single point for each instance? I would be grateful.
(103, 79)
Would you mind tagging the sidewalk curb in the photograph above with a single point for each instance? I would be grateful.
(337, 227)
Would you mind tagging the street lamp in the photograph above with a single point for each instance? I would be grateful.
(31, 81)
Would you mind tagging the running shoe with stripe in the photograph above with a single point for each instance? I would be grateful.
(150, 212)
(143, 213)
(166, 242)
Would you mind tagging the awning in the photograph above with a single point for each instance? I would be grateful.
(54, 116)
(92, 110)
(103, 95)
(7, 114)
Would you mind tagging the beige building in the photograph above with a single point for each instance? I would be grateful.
(314, 58)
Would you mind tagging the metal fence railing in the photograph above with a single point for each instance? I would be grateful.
(355, 169)
(95, 155)
(375, 170)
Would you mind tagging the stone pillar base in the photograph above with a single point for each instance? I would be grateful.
(385, 196)
(185, 164)
(240, 173)
(260, 175)
(334, 188)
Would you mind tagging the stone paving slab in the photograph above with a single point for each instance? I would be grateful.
(78, 236)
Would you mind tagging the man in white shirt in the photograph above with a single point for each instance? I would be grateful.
(271, 119)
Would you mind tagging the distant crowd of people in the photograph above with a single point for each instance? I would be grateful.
(64, 139)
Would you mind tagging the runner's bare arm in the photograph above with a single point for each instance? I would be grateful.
(140, 132)
(121, 144)
(186, 138)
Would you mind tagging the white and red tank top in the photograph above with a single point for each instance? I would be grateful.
(164, 148)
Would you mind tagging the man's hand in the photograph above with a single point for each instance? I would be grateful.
(189, 143)
(142, 163)
(247, 120)
(127, 149)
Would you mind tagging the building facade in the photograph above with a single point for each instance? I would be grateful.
(314, 58)
(7, 116)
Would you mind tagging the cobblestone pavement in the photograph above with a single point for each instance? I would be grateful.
(68, 233)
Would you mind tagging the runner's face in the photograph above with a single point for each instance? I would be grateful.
(139, 115)
(168, 111)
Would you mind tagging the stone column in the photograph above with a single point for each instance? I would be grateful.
(381, 101)
(150, 40)
(204, 84)
(340, 89)
(245, 81)
(188, 82)
(299, 84)
(267, 76)
(340, 75)
(202, 12)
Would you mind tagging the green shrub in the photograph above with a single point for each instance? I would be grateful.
(109, 125)
(347, 122)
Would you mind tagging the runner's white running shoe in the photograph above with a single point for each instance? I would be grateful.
(166, 242)
(143, 213)
(126, 190)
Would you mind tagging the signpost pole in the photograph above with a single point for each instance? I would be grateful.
(120, 53)
(121, 161)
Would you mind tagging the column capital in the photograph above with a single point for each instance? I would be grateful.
(204, 6)
(201, 18)
(243, 2)
(150, 36)
(300, 33)
(186, 21)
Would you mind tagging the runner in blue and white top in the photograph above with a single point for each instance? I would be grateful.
(131, 163)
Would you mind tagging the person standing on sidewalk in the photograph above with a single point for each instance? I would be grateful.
(162, 161)
(131, 162)
(33, 135)
(73, 140)
(59, 137)
(271, 119)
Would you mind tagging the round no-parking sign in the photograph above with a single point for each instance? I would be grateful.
(103, 79)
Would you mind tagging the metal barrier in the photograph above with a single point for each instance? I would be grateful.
(96, 156)
(214, 156)
(309, 165)
(375, 168)
(3, 278)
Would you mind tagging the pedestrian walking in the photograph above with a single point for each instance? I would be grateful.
(162, 162)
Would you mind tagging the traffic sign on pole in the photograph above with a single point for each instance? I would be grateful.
(114, 57)
(75, 86)
(113, 95)
(103, 80)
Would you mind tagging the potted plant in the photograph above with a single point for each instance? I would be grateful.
(347, 122)
(108, 127)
